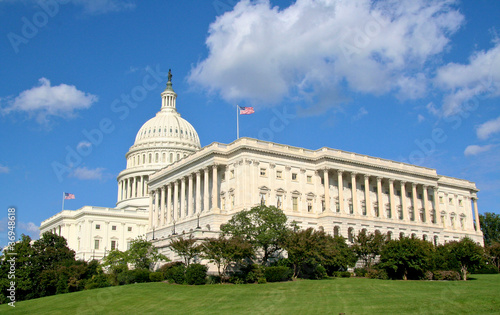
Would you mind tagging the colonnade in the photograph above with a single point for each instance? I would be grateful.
(133, 187)
(185, 197)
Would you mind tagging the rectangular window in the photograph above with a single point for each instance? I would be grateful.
(263, 172)
(351, 209)
(279, 202)
(294, 176)
(113, 245)
(96, 244)
(223, 203)
(262, 198)
(441, 200)
(363, 208)
(362, 187)
(450, 201)
(349, 185)
(309, 205)
(232, 201)
(309, 179)
(337, 206)
(129, 229)
(128, 245)
(295, 203)
(97, 226)
(232, 173)
(279, 174)
(113, 227)
(460, 202)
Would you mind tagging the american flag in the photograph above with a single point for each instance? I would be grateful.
(246, 110)
(69, 196)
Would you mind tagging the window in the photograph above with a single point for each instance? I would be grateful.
(96, 244)
(375, 208)
(113, 245)
(363, 208)
(232, 174)
(441, 199)
(263, 172)
(128, 245)
(362, 187)
(232, 201)
(337, 206)
(279, 202)
(309, 179)
(97, 226)
(450, 200)
(351, 209)
(279, 174)
(460, 203)
(262, 198)
(349, 185)
(113, 228)
(295, 203)
(129, 229)
(294, 176)
(223, 177)
(223, 203)
(309, 205)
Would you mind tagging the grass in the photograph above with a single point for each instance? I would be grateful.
(480, 295)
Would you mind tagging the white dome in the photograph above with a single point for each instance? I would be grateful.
(168, 126)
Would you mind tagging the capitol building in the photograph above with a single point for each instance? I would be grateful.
(172, 186)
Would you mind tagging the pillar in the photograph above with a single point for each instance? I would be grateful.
(198, 192)
(476, 215)
(190, 196)
(404, 208)
(205, 190)
(139, 186)
(354, 194)
(157, 208)
(341, 190)
(169, 203)
(391, 197)
(151, 209)
(183, 198)
(368, 202)
(435, 198)
(129, 191)
(162, 206)
(327, 190)
(176, 201)
(426, 203)
(133, 186)
(214, 187)
(416, 217)
(380, 200)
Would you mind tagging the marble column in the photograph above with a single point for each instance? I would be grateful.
(157, 207)
(176, 200)
(190, 195)
(169, 203)
(327, 190)
(133, 186)
(151, 210)
(206, 198)
(368, 203)
(476, 215)
(214, 188)
(391, 198)
(435, 198)
(416, 210)
(198, 192)
(380, 200)
(119, 191)
(341, 190)
(426, 204)
(404, 208)
(139, 186)
(354, 194)
(162, 206)
(183, 198)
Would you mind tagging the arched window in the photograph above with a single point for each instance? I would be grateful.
(413, 235)
(156, 158)
(350, 234)
(336, 231)
(401, 235)
(436, 240)
(178, 156)
(389, 235)
(149, 158)
(163, 157)
(171, 157)
(424, 237)
(144, 159)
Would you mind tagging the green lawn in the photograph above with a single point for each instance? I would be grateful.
(481, 295)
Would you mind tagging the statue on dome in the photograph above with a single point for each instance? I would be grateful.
(169, 75)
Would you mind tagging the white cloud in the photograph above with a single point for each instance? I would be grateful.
(466, 84)
(477, 149)
(83, 144)
(4, 169)
(85, 173)
(45, 100)
(488, 128)
(29, 227)
(262, 54)
(420, 118)
(361, 112)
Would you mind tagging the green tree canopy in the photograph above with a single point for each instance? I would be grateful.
(143, 255)
(367, 246)
(490, 226)
(186, 248)
(465, 255)
(265, 227)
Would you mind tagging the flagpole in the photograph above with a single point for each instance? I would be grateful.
(237, 124)
(63, 202)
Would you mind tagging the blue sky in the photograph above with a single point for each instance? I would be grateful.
(413, 81)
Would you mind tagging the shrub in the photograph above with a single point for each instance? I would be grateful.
(345, 274)
(319, 272)
(133, 276)
(163, 269)
(487, 269)
(262, 280)
(278, 273)
(377, 274)
(450, 275)
(176, 274)
(360, 272)
(97, 281)
(196, 274)
(141, 275)
(428, 275)
(156, 276)
(213, 279)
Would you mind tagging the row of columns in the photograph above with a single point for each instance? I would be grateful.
(178, 199)
(381, 206)
(133, 187)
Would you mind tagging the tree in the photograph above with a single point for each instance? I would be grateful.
(493, 253)
(406, 258)
(224, 251)
(186, 248)
(490, 226)
(115, 261)
(367, 246)
(265, 227)
(143, 255)
(466, 254)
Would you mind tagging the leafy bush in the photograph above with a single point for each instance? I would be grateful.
(450, 275)
(278, 273)
(487, 270)
(377, 274)
(251, 273)
(428, 275)
(97, 281)
(156, 276)
(345, 274)
(360, 272)
(319, 273)
(141, 275)
(176, 274)
(236, 279)
(262, 280)
(213, 279)
(133, 276)
(196, 274)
